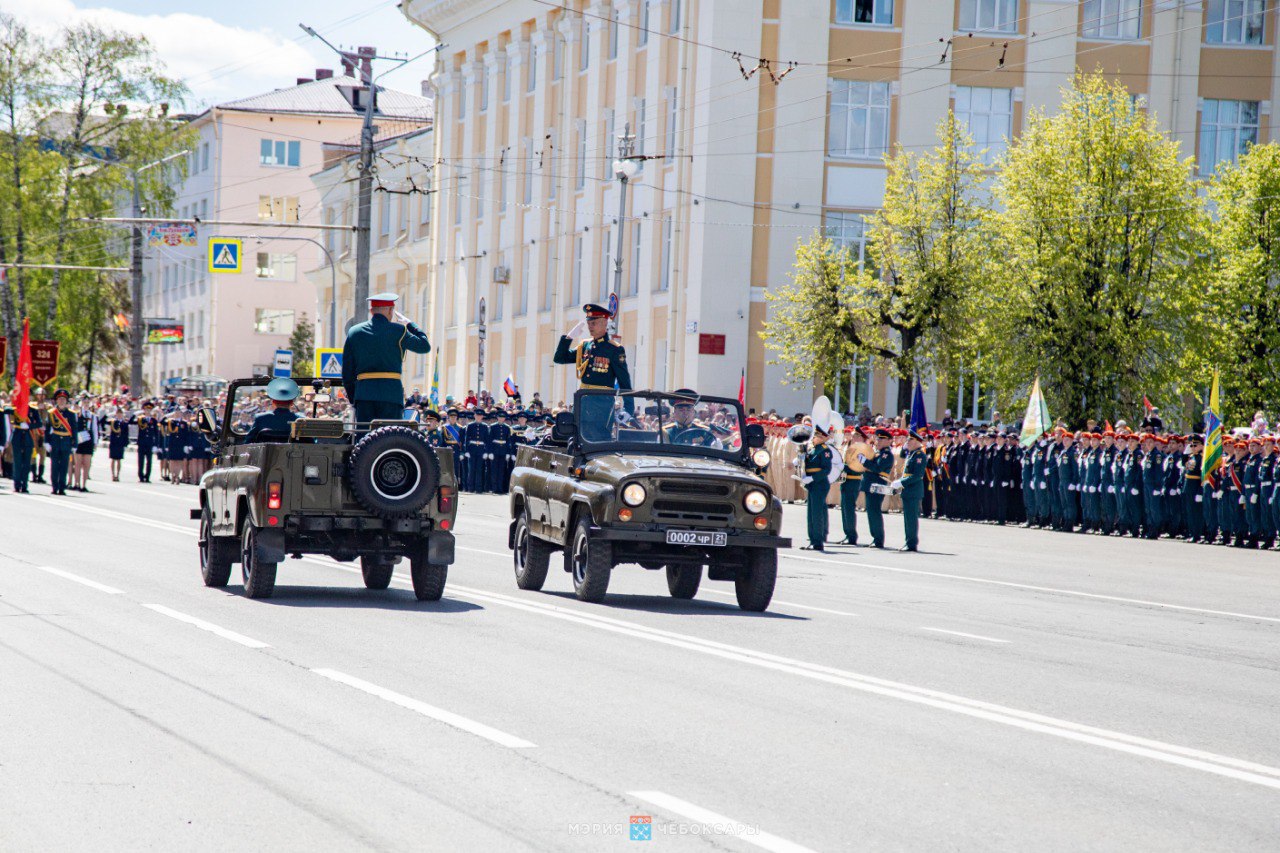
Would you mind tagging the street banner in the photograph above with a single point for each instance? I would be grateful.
(1035, 422)
(165, 332)
(1212, 436)
(919, 418)
(170, 235)
(44, 361)
(22, 376)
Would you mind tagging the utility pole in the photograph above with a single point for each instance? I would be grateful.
(624, 168)
(135, 325)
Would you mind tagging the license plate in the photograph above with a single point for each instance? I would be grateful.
(712, 538)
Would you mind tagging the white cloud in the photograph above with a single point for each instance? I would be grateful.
(218, 62)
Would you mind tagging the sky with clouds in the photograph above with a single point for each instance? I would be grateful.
(236, 48)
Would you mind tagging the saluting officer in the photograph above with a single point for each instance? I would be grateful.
(373, 356)
(817, 482)
(912, 483)
(600, 362)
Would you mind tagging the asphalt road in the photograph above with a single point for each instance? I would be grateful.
(1007, 689)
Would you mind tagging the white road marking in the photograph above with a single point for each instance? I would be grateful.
(784, 603)
(100, 587)
(208, 626)
(438, 714)
(124, 516)
(963, 634)
(1077, 593)
(750, 834)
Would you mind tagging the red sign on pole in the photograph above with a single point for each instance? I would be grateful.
(44, 361)
(710, 344)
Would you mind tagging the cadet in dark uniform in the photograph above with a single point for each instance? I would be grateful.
(875, 485)
(148, 438)
(117, 441)
(912, 483)
(282, 392)
(495, 449)
(817, 482)
(850, 486)
(475, 440)
(61, 438)
(22, 445)
(1191, 488)
(372, 358)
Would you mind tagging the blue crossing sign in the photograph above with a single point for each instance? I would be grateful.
(328, 362)
(225, 254)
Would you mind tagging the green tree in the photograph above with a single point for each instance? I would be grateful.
(1243, 311)
(303, 344)
(1097, 278)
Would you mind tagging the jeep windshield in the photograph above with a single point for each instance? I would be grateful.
(652, 421)
(247, 398)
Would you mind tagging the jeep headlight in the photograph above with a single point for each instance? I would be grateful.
(760, 457)
(634, 494)
(755, 501)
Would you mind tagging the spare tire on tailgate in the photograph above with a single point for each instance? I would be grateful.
(393, 472)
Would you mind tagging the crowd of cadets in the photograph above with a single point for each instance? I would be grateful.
(484, 442)
(1110, 482)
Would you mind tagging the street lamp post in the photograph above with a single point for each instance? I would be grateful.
(135, 267)
(624, 169)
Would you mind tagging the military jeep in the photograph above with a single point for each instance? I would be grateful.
(666, 481)
(377, 492)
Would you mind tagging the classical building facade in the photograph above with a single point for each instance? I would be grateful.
(743, 158)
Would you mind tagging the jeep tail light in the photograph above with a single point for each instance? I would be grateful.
(445, 524)
(445, 499)
(273, 495)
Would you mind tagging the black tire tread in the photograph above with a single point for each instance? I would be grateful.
(537, 558)
(428, 578)
(683, 581)
(222, 552)
(754, 584)
(260, 580)
(362, 488)
(599, 564)
(377, 572)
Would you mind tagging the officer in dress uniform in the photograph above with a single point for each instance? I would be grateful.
(496, 451)
(372, 357)
(117, 441)
(282, 391)
(850, 486)
(1107, 483)
(875, 483)
(1192, 492)
(600, 363)
(817, 482)
(431, 428)
(22, 445)
(61, 440)
(1068, 482)
(475, 440)
(684, 427)
(1152, 485)
(148, 437)
(912, 483)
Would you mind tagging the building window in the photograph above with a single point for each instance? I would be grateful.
(1234, 21)
(384, 213)
(330, 237)
(575, 284)
(988, 116)
(1227, 129)
(642, 38)
(847, 231)
(531, 79)
(584, 44)
(277, 267)
(991, 16)
(859, 119)
(548, 280)
(633, 284)
(1112, 19)
(876, 12)
(273, 321)
(664, 280)
(484, 87)
(613, 35)
(675, 16)
(204, 156)
(549, 141)
(580, 178)
(462, 99)
(673, 113)
(278, 152)
(278, 208)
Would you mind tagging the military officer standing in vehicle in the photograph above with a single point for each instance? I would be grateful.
(875, 485)
(817, 482)
(912, 483)
(372, 358)
(601, 364)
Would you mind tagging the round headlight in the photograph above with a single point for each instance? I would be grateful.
(634, 494)
(760, 458)
(755, 501)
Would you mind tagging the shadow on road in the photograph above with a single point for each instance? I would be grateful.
(664, 604)
(365, 599)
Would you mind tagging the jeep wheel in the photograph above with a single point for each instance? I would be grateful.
(259, 575)
(217, 553)
(377, 572)
(532, 556)
(682, 581)
(756, 579)
(394, 472)
(428, 578)
(590, 561)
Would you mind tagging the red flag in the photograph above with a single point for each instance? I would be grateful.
(742, 389)
(1108, 426)
(22, 378)
(1146, 404)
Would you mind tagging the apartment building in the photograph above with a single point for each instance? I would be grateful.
(251, 162)
(745, 158)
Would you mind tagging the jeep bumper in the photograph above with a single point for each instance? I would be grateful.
(735, 538)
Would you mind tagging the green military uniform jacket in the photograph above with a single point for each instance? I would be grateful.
(600, 362)
(373, 355)
(913, 477)
(879, 467)
(817, 464)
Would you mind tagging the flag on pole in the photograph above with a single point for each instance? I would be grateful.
(509, 387)
(1035, 422)
(919, 419)
(1107, 426)
(435, 386)
(1146, 404)
(742, 389)
(22, 378)
(1212, 435)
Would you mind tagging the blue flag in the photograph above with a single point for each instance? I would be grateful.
(919, 419)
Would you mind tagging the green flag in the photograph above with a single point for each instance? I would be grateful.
(1035, 422)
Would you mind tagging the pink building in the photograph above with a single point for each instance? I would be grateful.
(252, 163)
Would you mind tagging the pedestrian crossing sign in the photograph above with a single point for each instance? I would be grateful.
(328, 363)
(225, 254)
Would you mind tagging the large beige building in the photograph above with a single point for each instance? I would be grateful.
(741, 164)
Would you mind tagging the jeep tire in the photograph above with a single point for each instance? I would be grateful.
(377, 571)
(259, 575)
(394, 472)
(590, 561)
(682, 581)
(531, 555)
(756, 579)
(428, 578)
(217, 553)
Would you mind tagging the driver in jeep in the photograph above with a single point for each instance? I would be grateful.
(282, 392)
(686, 430)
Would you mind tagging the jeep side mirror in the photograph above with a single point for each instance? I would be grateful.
(754, 435)
(208, 422)
(564, 429)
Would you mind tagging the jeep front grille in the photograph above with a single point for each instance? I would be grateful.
(692, 512)
(693, 487)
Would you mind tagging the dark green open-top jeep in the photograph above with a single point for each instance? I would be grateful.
(663, 480)
(376, 491)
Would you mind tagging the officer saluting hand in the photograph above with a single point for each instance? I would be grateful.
(600, 362)
(372, 358)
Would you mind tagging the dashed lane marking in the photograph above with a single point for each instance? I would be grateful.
(92, 584)
(208, 626)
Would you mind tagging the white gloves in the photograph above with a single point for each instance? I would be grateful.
(806, 480)
(578, 330)
(1133, 491)
(48, 448)
(897, 484)
(400, 318)
(1199, 498)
